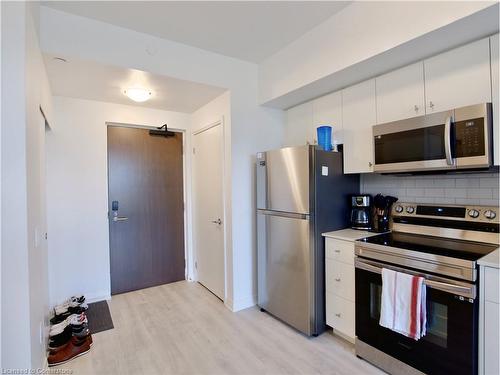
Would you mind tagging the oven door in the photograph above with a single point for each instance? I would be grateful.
(416, 144)
(450, 345)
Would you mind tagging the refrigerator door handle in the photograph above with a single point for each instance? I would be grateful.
(291, 215)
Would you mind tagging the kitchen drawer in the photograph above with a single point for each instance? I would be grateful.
(340, 279)
(491, 281)
(340, 314)
(340, 250)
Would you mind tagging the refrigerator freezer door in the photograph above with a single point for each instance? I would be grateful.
(284, 267)
(287, 174)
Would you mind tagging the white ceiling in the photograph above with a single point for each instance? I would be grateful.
(247, 30)
(94, 81)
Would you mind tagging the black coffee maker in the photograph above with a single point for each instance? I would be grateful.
(361, 212)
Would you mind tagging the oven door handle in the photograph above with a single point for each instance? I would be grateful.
(465, 291)
(447, 141)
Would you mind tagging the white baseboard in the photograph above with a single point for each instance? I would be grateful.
(96, 297)
(241, 304)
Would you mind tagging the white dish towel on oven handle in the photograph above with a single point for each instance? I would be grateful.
(403, 304)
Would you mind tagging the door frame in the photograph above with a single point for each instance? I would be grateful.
(219, 122)
(188, 253)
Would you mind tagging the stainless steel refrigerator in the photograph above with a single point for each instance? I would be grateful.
(301, 193)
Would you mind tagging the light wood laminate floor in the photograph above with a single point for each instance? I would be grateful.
(181, 328)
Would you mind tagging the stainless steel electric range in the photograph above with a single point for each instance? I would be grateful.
(441, 243)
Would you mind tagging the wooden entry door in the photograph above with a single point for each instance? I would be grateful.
(209, 208)
(146, 210)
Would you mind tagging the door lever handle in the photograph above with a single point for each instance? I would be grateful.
(119, 218)
(218, 221)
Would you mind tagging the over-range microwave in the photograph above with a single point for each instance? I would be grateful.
(457, 139)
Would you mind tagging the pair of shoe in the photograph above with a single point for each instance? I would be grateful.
(74, 305)
(69, 335)
(74, 320)
(72, 349)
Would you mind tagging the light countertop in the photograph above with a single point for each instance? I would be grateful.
(349, 234)
(491, 260)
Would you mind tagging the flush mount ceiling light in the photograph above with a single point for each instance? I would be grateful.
(138, 94)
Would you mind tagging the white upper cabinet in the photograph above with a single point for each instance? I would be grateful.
(327, 110)
(299, 123)
(494, 41)
(400, 94)
(459, 77)
(358, 117)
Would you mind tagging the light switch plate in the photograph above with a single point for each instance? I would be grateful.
(324, 170)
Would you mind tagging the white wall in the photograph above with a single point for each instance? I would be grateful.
(72, 36)
(77, 191)
(24, 254)
(323, 59)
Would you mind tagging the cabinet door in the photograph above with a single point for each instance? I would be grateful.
(358, 117)
(491, 337)
(494, 41)
(400, 94)
(298, 126)
(327, 110)
(458, 78)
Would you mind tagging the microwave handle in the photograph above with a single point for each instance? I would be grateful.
(447, 141)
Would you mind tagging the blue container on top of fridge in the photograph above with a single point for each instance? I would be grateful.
(325, 137)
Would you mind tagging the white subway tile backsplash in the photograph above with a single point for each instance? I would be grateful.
(467, 182)
(424, 182)
(456, 193)
(489, 182)
(445, 182)
(467, 201)
(480, 193)
(415, 192)
(433, 192)
(488, 202)
(470, 189)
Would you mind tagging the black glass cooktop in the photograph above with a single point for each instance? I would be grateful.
(433, 245)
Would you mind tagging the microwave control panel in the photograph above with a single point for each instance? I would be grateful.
(470, 138)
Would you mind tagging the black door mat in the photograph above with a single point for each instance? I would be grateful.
(99, 317)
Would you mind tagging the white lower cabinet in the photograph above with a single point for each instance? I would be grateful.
(340, 316)
(340, 292)
(489, 328)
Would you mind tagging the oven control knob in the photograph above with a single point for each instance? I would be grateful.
(473, 213)
(398, 209)
(489, 214)
(410, 209)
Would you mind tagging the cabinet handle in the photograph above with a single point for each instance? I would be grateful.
(338, 315)
(370, 164)
(431, 104)
(416, 108)
(337, 279)
(337, 251)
